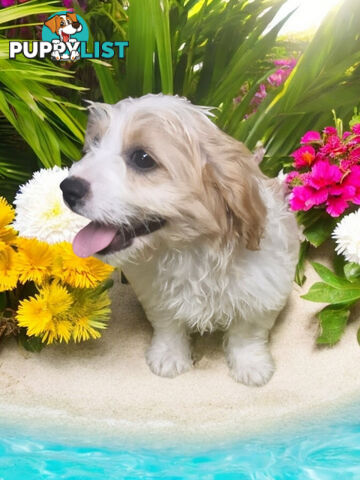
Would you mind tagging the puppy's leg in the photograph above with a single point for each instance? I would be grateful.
(169, 353)
(247, 351)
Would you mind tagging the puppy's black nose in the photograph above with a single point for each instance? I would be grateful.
(74, 189)
(76, 24)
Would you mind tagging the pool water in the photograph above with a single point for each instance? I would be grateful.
(324, 450)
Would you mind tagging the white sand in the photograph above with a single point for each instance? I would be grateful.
(105, 386)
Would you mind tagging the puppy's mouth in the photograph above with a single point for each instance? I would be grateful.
(105, 239)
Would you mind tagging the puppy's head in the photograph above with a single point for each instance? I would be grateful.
(156, 171)
(65, 23)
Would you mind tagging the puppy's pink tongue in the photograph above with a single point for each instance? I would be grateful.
(93, 238)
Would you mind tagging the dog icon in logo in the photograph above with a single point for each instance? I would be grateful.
(64, 25)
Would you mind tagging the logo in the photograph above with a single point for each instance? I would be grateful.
(65, 36)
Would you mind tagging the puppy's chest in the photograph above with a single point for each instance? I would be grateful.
(197, 289)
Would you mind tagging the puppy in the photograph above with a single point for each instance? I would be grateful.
(205, 239)
(64, 26)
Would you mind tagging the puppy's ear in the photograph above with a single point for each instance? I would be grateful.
(232, 172)
(98, 123)
(51, 23)
(72, 17)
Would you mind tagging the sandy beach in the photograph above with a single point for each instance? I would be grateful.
(105, 386)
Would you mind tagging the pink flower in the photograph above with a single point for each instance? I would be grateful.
(278, 78)
(333, 147)
(300, 198)
(286, 62)
(336, 206)
(311, 137)
(354, 155)
(323, 174)
(292, 177)
(7, 3)
(259, 95)
(330, 131)
(304, 156)
(356, 129)
(353, 141)
(352, 180)
(346, 135)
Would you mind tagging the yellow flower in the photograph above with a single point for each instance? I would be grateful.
(47, 314)
(34, 315)
(7, 234)
(79, 272)
(35, 260)
(90, 312)
(8, 268)
(83, 330)
(7, 213)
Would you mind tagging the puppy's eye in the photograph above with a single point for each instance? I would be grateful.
(142, 160)
(62, 24)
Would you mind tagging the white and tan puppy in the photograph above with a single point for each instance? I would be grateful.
(204, 238)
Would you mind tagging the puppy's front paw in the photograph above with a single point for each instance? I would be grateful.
(251, 365)
(168, 362)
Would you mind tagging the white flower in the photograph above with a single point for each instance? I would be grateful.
(347, 236)
(41, 212)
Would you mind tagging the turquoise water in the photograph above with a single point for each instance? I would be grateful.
(329, 450)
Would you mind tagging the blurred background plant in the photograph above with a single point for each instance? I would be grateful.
(39, 122)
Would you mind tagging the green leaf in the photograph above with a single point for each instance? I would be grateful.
(31, 344)
(324, 293)
(333, 320)
(300, 267)
(339, 264)
(352, 272)
(2, 301)
(105, 285)
(320, 231)
(330, 278)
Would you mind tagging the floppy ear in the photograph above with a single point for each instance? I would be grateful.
(234, 175)
(51, 23)
(72, 17)
(98, 122)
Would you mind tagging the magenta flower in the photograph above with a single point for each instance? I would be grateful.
(274, 80)
(330, 131)
(7, 3)
(354, 155)
(304, 156)
(352, 180)
(333, 147)
(300, 198)
(311, 137)
(286, 62)
(292, 177)
(278, 78)
(327, 171)
(323, 174)
(353, 141)
(259, 95)
(336, 206)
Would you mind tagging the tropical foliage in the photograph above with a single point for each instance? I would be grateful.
(324, 187)
(31, 107)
